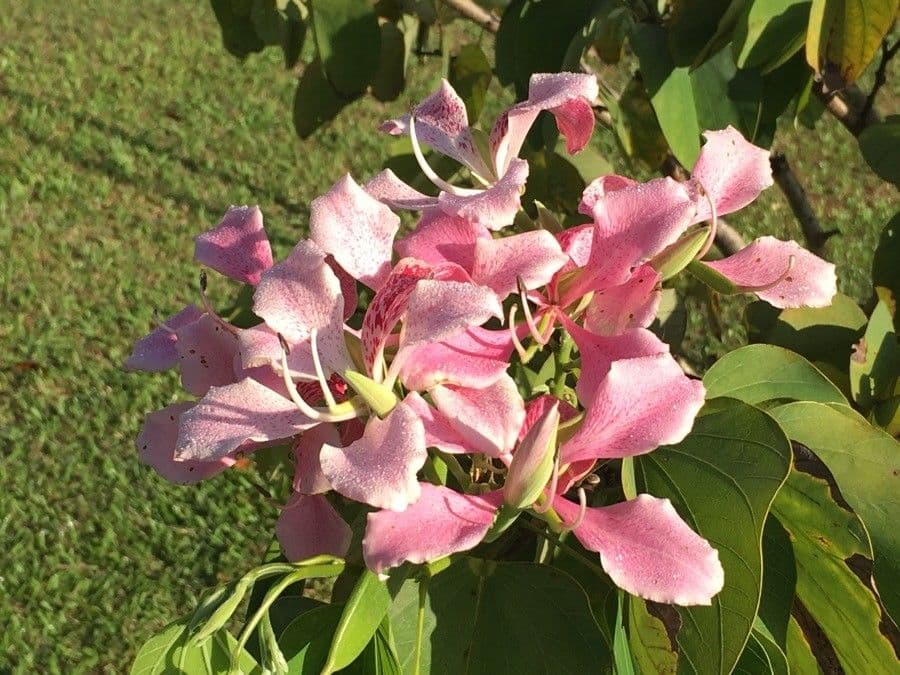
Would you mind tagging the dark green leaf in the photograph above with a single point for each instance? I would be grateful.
(762, 656)
(470, 74)
(670, 92)
(348, 42)
(315, 101)
(671, 318)
(270, 24)
(779, 581)
(769, 32)
(880, 146)
(637, 127)
(875, 363)
(886, 262)
(173, 651)
(824, 537)
(294, 36)
(498, 617)
(799, 654)
(307, 639)
(363, 613)
(759, 373)
(698, 28)
(389, 79)
(865, 462)
(722, 479)
(238, 34)
(726, 96)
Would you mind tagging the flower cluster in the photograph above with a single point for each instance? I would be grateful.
(416, 413)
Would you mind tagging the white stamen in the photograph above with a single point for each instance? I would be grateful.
(320, 374)
(304, 407)
(523, 354)
(430, 173)
(714, 222)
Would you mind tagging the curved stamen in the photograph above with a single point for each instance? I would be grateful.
(765, 287)
(304, 407)
(714, 224)
(320, 374)
(204, 300)
(523, 354)
(536, 334)
(582, 510)
(430, 173)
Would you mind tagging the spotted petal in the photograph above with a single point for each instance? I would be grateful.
(633, 304)
(206, 353)
(308, 476)
(309, 526)
(495, 207)
(440, 237)
(387, 188)
(438, 309)
(156, 351)
(647, 549)
(238, 246)
(534, 257)
(441, 522)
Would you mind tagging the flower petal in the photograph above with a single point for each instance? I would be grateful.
(477, 357)
(156, 448)
(229, 416)
(387, 188)
(647, 549)
(764, 264)
(642, 403)
(156, 351)
(238, 246)
(437, 310)
(731, 171)
(438, 431)
(259, 346)
(206, 353)
(630, 305)
(309, 526)
(380, 468)
(532, 256)
(308, 476)
(495, 207)
(441, 522)
(488, 419)
(599, 187)
(440, 237)
(356, 229)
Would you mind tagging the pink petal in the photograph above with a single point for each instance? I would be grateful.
(387, 188)
(300, 294)
(647, 549)
(532, 256)
(260, 346)
(348, 286)
(380, 468)
(157, 352)
(642, 403)
(599, 187)
(156, 448)
(442, 123)
(495, 207)
(388, 306)
(356, 229)
(630, 305)
(576, 243)
(536, 407)
(206, 352)
(238, 246)
(440, 237)
(732, 172)
(477, 357)
(811, 282)
(437, 310)
(309, 526)
(438, 431)
(308, 476)
(229, 416)
(568, 96)
(441, 522)
(488, 419)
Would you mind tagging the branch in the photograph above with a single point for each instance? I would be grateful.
(887, 53)
(813, 233)
(847, 107)
(474, 12)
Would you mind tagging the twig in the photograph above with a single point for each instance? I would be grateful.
(846, 107)
(476, 13)
(813, 233)
(887, 53)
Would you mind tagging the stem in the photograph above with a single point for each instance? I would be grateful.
(565, 548)
(458, 473)
(563, 356)
(420, 622)
(793, 191)
(887, 53)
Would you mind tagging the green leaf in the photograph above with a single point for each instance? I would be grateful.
(363, 613)
(670, 323)
(698, 28)
(637, 127)
(824, 537)
(390, 78)
(498, 617)
(270, 24)
(651, 648)
(534, 37)
(670, 92)
(238, 34)
(875, 363)
(712, 278)
(885, 270)
(759, 373)
(725, 96)
(621, 652)
(779, 581)
(348, 42)
(378, 658)
(174, 651)
(294, 36)
(307, 639)
(722, 479)
(315, 101)
(470, 74)
(865, 463)
(880, 146)
(844, 35)
(762, 655)
(769, 32)
(799, 654)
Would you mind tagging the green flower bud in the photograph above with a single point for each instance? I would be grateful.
(532, 465)
(679, 255)
(378, 397)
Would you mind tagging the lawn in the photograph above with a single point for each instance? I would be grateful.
(125, 129)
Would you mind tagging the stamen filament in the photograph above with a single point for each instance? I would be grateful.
(582, 510)
(523, 354)
(208, 307)
(430, 173)
(320, 374)
(536, 334)
(312, 413)
(714, 223)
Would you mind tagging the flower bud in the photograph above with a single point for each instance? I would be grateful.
(228, 603)
(676, 257)
(532, 465)
(378, 397)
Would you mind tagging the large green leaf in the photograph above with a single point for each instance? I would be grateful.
(799, 654)
(875, 363)
(779, 581)
(348, 42)
(725, 96)
(670, 92)
(470, 74)
(769, 32)
(389, 79)
(865, 462)
(637, 127)
(844, 35)
(722, 479)
(885, 270)
(497, 617)
(824, 537)
(238, 33)
(880, 146)
(363, 613)
(760, 373)
(174, 651)
(651, 648)
(315, 101)
(700, 27)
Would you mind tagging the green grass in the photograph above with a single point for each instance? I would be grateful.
(125, 129)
